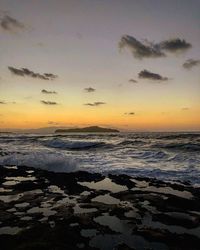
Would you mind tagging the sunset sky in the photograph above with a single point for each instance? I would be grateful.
(127, 64)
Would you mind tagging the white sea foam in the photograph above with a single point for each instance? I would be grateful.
(51, 161)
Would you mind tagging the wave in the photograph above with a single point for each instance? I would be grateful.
(131, 142)
(180, 136)
(180, 146)
(126, 152)
(154, 155)
(51, 161)
(58, 143)
(190, 174)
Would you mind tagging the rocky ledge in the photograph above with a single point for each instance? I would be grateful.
(46, 210)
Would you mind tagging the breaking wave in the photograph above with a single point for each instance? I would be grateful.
(58, 143)
(51, 161)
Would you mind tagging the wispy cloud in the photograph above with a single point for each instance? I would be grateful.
(133, 81)
(185, 108)
(26, 72)
(145, 74)
(11, 24)
(190, 63)
(148, 49)
(95, 104)
(89, 89)
(44, 91)
(3, 102)
(53, 123)
(48, 102)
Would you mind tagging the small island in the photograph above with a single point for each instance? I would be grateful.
(92, 129)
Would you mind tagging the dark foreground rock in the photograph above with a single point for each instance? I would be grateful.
(46, 210)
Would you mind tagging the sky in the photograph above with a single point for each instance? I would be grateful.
(132, 65)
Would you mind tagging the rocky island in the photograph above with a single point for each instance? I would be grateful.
(92, 129)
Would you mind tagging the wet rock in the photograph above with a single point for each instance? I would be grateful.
(174, 241)
(123, 247)
(46, 210)
(175, 218)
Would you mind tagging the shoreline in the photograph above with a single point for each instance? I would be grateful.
(81, 210)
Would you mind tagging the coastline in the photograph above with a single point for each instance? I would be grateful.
(81, 210)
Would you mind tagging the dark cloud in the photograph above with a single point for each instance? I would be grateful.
(2, 102)
(185, 109)
(133, 81)
(95, 104)
(148, 49)
(26, 72)
(10, 24)
(89, 89)
(139, 49)
(130, 113)
(175, 45)
(190, 63)
(145, 74)
(49, 103)
(44, 91)
(50, 76)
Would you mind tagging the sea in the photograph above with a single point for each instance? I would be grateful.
(165, 156)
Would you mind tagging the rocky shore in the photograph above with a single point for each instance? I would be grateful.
(81, 210)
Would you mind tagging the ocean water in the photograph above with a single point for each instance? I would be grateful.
(167, 156)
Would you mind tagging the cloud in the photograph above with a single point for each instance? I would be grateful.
(48, 102)
(139, 49)
(89, 89)
(50, 76)
(10, 24)
(44, 91)
(175, 45)
(148, 49)
(2, 102)
(130, 113)
(133, 81)
(190, 63)
(26, 72)
(95, 104)
(145, 74)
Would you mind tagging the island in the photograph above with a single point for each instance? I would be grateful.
(91, 129)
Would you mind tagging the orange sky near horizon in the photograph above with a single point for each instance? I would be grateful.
(174, 120)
